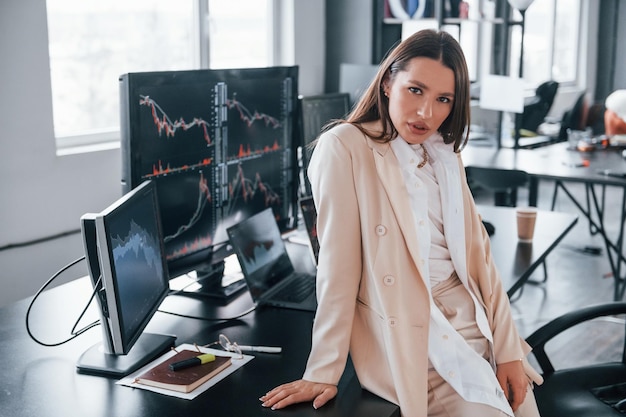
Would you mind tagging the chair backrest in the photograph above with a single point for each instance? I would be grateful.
(537, 108)
(575, 117)
(504, 183)
(547, 91)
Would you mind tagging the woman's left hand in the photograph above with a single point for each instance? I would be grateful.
(513, 381)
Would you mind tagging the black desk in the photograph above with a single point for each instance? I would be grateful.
(42, 381)
(516, 261)
(555, 162)
(563, 165)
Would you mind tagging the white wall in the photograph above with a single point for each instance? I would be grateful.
(43, 194)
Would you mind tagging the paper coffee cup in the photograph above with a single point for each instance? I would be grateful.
(526, 218)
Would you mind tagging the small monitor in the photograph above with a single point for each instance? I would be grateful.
(126, 262)
(317, 112)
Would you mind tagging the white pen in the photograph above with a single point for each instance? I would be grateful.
(264, 349)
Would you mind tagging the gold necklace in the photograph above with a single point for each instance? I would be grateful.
(424, 157)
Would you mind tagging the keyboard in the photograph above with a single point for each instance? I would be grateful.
(299, 287)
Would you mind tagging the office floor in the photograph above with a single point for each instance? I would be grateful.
(575, 279)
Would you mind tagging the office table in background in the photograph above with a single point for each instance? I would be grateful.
(563, 165)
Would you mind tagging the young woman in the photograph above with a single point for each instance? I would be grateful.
(406, 283)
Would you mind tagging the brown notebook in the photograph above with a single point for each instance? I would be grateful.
(184, 380)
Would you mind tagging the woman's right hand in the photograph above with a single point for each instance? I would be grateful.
(297, 392)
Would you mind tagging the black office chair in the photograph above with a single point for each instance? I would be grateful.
(581, 115)
(596, 390)
(536, 108)
(573, 118)
(504, 184)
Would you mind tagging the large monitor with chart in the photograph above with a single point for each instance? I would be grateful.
(220, 146)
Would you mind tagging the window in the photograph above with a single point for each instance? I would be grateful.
(239, 38)
(551, 39)
(92, 43)
(552, 34)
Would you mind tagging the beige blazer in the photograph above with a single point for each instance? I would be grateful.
(372, 301)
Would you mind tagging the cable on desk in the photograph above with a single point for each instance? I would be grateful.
(245, 313)
(73, 332)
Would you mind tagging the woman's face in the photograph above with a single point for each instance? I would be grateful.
(420, 98)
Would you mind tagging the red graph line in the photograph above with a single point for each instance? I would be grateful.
(244, 150)
(249, 188)
(165, 124)
(249, 117)
(204, 197)
(158, 169)
(196, 245)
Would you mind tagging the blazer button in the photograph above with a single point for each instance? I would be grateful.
(381, 230)
(392, 321)
(389, 280)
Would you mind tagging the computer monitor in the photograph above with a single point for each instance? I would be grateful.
(317, 112)
(220, 146)
(126, 263)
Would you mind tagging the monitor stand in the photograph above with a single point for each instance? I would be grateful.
(149, 346)
(223, 280)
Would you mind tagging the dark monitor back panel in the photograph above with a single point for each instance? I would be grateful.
(317, 112)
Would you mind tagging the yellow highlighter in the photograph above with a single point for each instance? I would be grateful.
(195, 361)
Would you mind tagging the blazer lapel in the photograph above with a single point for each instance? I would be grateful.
(390, 175)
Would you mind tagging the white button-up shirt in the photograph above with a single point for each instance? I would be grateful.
(435, 196)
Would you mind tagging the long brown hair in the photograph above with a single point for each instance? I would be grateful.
(441, 46)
